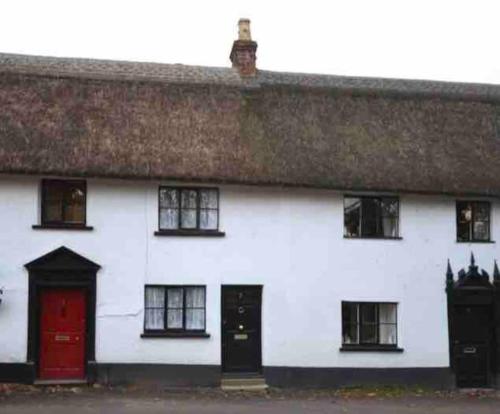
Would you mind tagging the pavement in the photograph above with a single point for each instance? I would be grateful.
(128, 401)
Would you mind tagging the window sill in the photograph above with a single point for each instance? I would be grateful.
(372, 238)
(476, 241)
(175, 335)
(61, 227)
(194, 233)
(370, 348)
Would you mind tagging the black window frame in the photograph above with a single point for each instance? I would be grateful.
(174, 331)
(70, 183)
(381, 198)
(367, 346)
(182, 231)
(473, 204)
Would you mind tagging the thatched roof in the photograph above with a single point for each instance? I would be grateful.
(80, 117)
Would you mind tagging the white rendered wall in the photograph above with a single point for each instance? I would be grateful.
(288, 240)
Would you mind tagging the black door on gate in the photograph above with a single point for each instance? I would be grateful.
(241, 328)
(472, 345)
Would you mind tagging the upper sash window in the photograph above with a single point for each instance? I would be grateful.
(189, 209)
(473, 221)
(376, 217)
(64, 202)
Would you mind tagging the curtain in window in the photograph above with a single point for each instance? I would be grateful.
(189, 206)
(195, 308)
(169, 208)
(387, 324)
(175, 297)
(389, 213)
(481, 221)
(169, 218)
(208, 209)
(208, 219)
(389, 227)
(155, 308)
(350, 323)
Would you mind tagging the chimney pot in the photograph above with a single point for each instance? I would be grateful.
(243, 54)
(244, 30)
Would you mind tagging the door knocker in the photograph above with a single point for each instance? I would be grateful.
(241, 310)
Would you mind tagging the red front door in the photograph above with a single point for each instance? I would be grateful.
(62, 333)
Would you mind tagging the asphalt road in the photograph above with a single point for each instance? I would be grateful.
(123, 404)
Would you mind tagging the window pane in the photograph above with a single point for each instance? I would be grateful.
(53, 202)
(368, 334)
(350, 334)
(352, 215)
(482, 212)
(174, 319)
(463, 231)
(350, 312)
(388, 334)
(481, 219)
(481, 230)
(169, 218)
(169, 197)
(350, 323)
(195, 297)
(464, 220)
(208, 219)
(390, 227)
(74, 213)
(465, 212)
(387, 313)
(155, 297)
(371, 217)
(189, 199)
(195, 319)
(390, 208)
(188, 206)
(208, 199)
(175, 297)
(154, 314)
(74, 205)
(188, 219)
(154, 319)
(368, 313)
(387, 318)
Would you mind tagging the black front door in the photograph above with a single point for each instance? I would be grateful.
(241, 328)
(472, 345)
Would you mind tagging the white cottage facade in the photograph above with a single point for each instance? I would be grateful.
(290, 242)
(183, 225)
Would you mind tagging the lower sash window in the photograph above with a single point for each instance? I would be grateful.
(174, 308)
(369, 324)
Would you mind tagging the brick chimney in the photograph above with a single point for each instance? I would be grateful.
(243, 54)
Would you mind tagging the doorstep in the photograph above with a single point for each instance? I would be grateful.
(476, 390)
(61, 382)
(243, 382)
